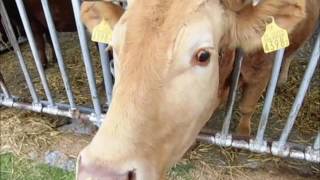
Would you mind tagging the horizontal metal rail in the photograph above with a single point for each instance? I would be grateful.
(86, 110)
(45, 107)
(307, 153)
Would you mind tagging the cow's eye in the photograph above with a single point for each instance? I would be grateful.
(202, 57)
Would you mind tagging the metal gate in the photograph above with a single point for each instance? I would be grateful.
(280, 147)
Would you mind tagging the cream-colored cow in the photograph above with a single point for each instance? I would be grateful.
(170, 79)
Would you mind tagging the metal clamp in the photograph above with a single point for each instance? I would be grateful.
(283, 151)
(37, 107)
(312, 154)
(6, 101)
(222, 140)
(259, 147)
(242, 144)
(95, 119)
(297, 154)
(50, 109)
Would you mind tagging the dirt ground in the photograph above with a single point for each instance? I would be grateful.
(33, 135)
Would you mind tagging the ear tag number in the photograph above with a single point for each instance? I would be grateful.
(274, 38)
(102, 33)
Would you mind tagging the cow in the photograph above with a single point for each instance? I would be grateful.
(173, 60)
(63, 17)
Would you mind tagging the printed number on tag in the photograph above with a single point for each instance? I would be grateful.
(274, 38)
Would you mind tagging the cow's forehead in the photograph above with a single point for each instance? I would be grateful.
(151, 28)
(158, 13)
(155, 23)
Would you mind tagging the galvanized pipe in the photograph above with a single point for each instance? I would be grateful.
(48, 109)
(316, 145)
(34, 49)
(13, 40)
(87, 60)
(105, 62)
(269, 97)
(243, 144)
(57, 49)
(233, 92)
(82, 109)
(4, 87)
(301, 94)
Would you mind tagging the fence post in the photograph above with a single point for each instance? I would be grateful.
(87, 61)
(105, 62)
(259, 144)
(224, 138)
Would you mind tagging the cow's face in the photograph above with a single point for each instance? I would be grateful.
(167, 78)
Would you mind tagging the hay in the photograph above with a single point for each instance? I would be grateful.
(22, 130)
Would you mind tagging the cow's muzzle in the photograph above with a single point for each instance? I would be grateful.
(92, 171)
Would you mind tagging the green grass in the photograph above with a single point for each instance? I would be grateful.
(182, 170)
(13, 168)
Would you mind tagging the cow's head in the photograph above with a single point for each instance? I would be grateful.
(167, 76)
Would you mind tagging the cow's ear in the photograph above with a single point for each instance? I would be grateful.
(246, 23)
(92, 12)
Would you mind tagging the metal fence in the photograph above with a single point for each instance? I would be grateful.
(280, 147)
(50, 106)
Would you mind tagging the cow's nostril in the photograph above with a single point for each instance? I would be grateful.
(132, 175)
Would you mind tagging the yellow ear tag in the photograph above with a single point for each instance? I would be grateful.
(102, 33)
(274, 38)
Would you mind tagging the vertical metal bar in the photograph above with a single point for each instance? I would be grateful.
(269, 96)
(34, 49)
(57, 49)
(316, 145)
(105, 61)
(86, 58)
(233, 91)
(301, 94)
(13, 40)
(4, 87)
